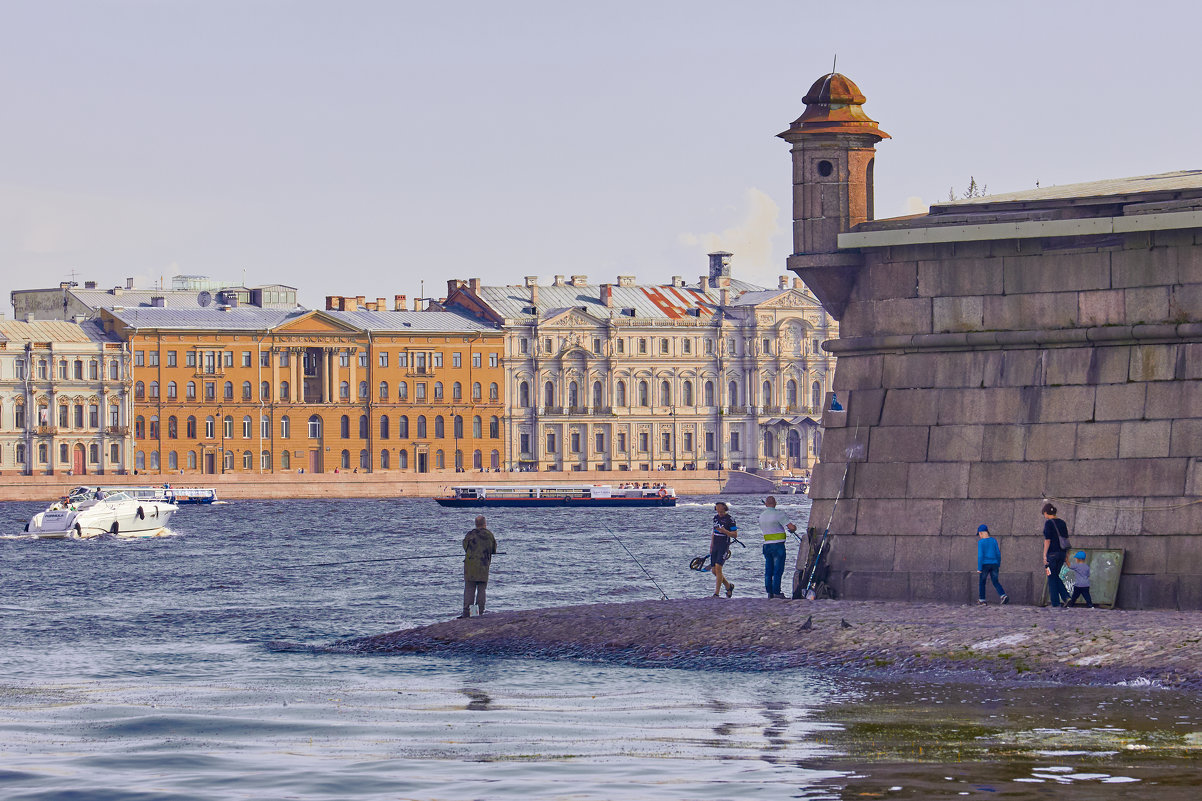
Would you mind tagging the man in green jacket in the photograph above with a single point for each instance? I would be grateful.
(479, 546)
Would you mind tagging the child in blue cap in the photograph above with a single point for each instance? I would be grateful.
(989, 561)
(1079, 564)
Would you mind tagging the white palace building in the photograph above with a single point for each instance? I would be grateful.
(718, 374)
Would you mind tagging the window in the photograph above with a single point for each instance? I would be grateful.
(644, 441)
(665, 440)
(494, 427)
(344, 427)
(642, 347)
(384, 460)
(19, 364)
(597, 395)
(440, 460)
(686, 393)
(265, 358)
(154, 389)
(547, 345)
(402, 428)
(62, 369)
(246, 358)
(77, 368)
(114, 454)
(550, 442)
(383, 357)
(78, 415)
(458, 427)
(247, 462)
(524, 395)
(190, 390)
(402, 460)
(228, 358)
(791, 394)
(456, 391)
(574, 441)
(171, 390)
(402, 360)
(139, 427)
(494, 460)
(190, 358)
(477, 460)
(665, 394)
(94, 453)
(437, 390)
(477, 427)
(620, 394)
(139, 390)
(44, 453)
(421, 426)
(284, 358)
(190, 428)
(383, 427)
(766, 393)
(171, 358)
(437, 360)
(314, 427)
(139, 460)
(246, 391)
(284, 390)
(19, 416)
(439, 429)
(42, 367)
(344, 390)
(734, 440)
(363, 426)
(227, 427)
(814, 346)
(285, 460)
(62, 416)
(523, 345)
(621, 343)
(573, 394)
(285, 427)
(265, 460)
(709, 441)
(599, 442)
(383, 390)
(172, 427)
(93, 416)
(548, 394)
(362, 390)
(687, 346)
(663, 345)
(596, 345)
(494, 359)
(475, 360)
(191, 459)
(402, 391)
(210, 427)
(525, 442)
(732, 394)
(210, 362)
(139, 359)
(419, 391)
(154, 460)
(246, 427)
(688, 441)
(210, 390)
(344, 359)
(456, 359)
(644, 394)
(816, 396)
(363, 359)
(21, 454)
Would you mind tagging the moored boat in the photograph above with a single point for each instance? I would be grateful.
(580, 496)
(93, 512)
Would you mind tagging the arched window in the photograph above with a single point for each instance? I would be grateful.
(620, 394)
(154, 426)
(314, 427)
(383, 427)
(458, 427)
(421, 426)
(524, 395)
(172, 427)
(686, 393)
(344, 390)
(494, 460)
(477, 426)
(345, 461)
(494, 427)
(573, 395)
(458, 460)
(140, 461)
(247, 460)
(172, 460)
(791, 394)
(246, 427)
(402, 391)
(285, 427)
(171, 390)
(644, 394)
(402, 427)
(364, 460)
(154, 389)
(140, 392)
(384, 460)
(437, 390)
(190, 390)
(246, 390)
(284, 391)
(766, 393)
(140, 427)
(476, 391)
(363, 426)
(597, 397)
(439, 428)
(477, 460)
(816, 396)
(344, 427)
(191, 459)
(363, 390)
(456, 391)
(285, 460)
(769, 445)
(402, 460)
(265, 460)
(440, 460)
(665, 393)
(77, 374)
(264, 427)
(494, 391)
(190, 427)
(154, 460)
(383, 390)
(228, 461)
(227, 426)
(548, 394)
(733, 394)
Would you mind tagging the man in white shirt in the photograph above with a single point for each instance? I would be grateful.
(773, 524)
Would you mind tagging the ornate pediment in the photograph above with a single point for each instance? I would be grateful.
(314, 322)
(571, 319)
(789, 299)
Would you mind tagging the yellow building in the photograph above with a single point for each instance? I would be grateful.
(239, 389)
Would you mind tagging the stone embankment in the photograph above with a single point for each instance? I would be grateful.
(1071, 646)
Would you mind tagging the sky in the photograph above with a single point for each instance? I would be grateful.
(365, 147)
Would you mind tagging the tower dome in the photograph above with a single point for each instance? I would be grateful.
(834, 104)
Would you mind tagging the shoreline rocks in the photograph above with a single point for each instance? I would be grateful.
(1010, 643)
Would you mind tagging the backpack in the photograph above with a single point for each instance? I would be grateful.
(1061, 533)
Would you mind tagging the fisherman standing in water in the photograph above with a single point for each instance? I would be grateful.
(479, 546)
(725, 529)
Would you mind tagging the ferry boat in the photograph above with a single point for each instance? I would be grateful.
(92, 512)
(580, 496)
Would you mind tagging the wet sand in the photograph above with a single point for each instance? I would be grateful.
(1071, 646)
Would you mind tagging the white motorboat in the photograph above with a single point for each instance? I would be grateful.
(90, 513)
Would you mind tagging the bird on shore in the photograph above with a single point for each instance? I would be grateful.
(809, 624)
(843, 624)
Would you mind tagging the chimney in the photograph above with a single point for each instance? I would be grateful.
(64, 284)
(783, 282)
(607, 295)
(350, 304)
(725, 296)
(382, 304)
(453, 284)
(417, 304)
(330, 303)
(579, 280)
(558, 281)
(79, 318)
(474, 285)
(704, 283)
(724, 281)
(532, 284)
(625, 280)
(719, 264)
(677, 280)
(399, 302)
(361, 300)
(129, 283)
(158, 301)
(370, 305)
(798, 284)
(30, 317)
(89, 284)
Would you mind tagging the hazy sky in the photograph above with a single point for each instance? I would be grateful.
(358, 147)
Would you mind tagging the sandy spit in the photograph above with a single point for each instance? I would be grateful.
(1071, 646)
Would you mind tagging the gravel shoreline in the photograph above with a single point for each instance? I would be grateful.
(1017, 643)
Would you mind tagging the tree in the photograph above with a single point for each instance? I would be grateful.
(974, 190)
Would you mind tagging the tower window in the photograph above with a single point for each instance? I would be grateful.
(825, 168)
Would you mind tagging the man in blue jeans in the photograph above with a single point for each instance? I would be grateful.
(773, 524)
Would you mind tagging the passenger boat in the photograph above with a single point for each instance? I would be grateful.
(581, 496)
(164, 493)
(92, 512)
(795, 485)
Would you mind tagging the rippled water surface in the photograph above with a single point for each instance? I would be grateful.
(175, 668)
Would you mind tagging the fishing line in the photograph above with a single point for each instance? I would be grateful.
(636, 561)
(390, 559)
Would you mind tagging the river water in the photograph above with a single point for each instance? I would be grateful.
(176, 668)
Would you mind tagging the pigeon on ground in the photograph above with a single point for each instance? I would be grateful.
(809, 624)
(843, 624)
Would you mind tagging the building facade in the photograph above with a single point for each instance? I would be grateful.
(629, 377)
(260, 391)
(64, 400)
(996, 352)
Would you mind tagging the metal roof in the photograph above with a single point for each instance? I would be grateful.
(432, 321)
(1180, 181)
(51, 331)
(253, 318)
(172, 298)
(657, 301)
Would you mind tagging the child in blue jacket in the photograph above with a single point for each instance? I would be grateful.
(989, 561)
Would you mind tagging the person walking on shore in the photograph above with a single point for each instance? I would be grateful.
(725, 530)
(1055, 549)
(989, 562)
(479, 546)
(773, 523)
(1079, 564)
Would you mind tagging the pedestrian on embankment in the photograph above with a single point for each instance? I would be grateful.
(725, 530)
(1079, 564)
(773, 523)
(1055, 550)
(479, 546)
(989, 562)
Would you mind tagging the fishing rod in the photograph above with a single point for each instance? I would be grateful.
(636, 561)
(389, 559)
(809, 589)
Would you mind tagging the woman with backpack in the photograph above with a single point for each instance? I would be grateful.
(1055, 550)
